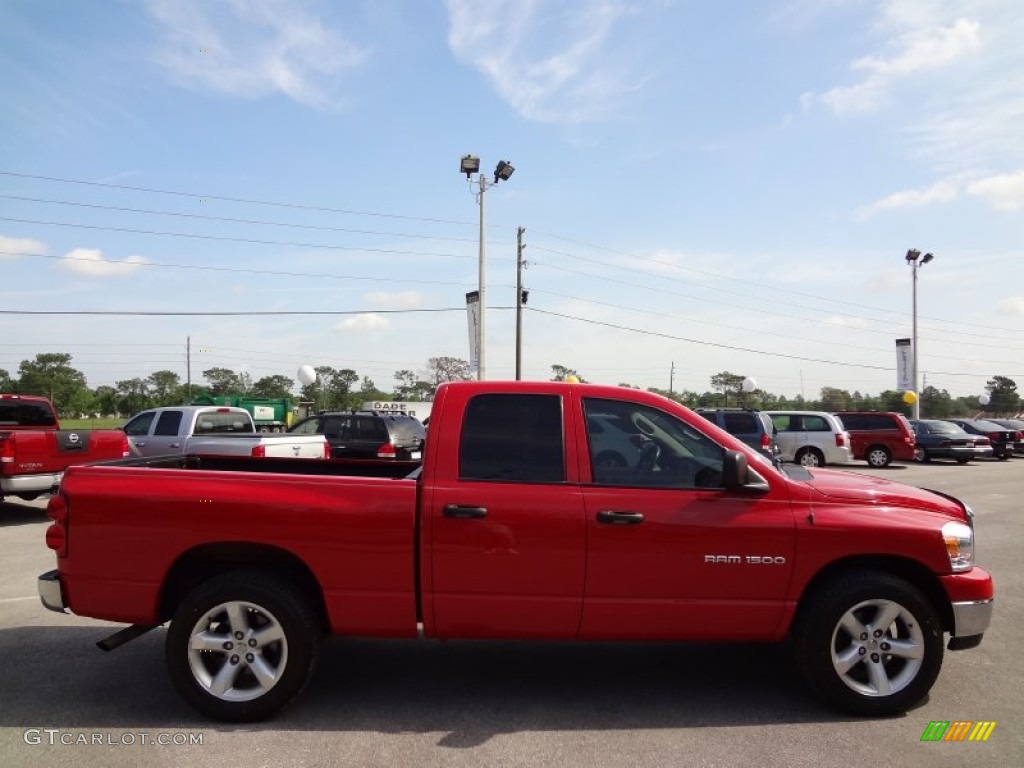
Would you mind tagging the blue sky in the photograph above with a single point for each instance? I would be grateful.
(704, 186)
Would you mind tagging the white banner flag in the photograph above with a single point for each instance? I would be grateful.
(473, 317)
(905, 366)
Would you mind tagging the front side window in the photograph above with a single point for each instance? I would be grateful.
(514, 438)
(139, 425)
(651, 448)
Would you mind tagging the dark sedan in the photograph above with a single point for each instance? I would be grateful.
(944, 440)
(1015, 424)
(1003, 440)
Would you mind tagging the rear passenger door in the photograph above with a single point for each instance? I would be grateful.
(505, 522)
(165, 437)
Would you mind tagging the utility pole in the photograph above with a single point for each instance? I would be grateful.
(671, 376)
(520, 300)
(188, 365)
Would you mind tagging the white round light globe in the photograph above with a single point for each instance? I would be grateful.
(306, 375)
(984, 399)
(749, 385)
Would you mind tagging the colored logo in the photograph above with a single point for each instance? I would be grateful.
(958, 730)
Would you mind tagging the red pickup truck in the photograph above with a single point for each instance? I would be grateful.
(511, 529)
(35, 451)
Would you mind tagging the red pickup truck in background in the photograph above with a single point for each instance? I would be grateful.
(511, 529)
(35, 451)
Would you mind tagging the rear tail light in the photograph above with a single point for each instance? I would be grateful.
(327, 449)
(57, 533)
(766, 440)
(993, 436)
(6, 451)
(259, 451)
(983, 441)
(126, 450)
(1018, 435)
(840, 439)
(386, 451)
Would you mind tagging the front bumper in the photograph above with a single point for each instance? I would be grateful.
(50, 592)
(971, 596)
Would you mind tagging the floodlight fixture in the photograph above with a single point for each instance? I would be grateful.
(912, 255)
(503, 171)
(470, 164)
(926, 258)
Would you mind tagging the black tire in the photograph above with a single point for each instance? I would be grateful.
(962, 461)
(809, 457)
(1003, 457)
(878, 456)
(859, 672)
(259, 635)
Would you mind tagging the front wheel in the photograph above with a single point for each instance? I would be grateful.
(879, 456)
(241, 646)
(869, 644)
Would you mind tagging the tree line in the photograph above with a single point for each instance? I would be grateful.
(53, 375)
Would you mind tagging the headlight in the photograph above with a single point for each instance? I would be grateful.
(959, 539)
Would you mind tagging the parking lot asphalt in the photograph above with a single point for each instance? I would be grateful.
(409, 703)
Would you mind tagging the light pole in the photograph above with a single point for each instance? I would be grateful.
(916, 261)
(503, 171)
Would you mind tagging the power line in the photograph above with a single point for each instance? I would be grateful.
(256, 313)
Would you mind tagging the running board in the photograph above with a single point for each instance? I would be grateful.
(123, 636)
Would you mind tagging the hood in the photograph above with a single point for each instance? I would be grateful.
(867, 489)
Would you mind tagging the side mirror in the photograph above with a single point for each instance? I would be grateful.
(737, 475)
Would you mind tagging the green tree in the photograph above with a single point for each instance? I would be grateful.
(561, 373)
(164, 388)
(1003, 397)
(132, 396)
(6, 382)
(52, 375)
(368, 391)
(727, 383)
(409, 386)
(833, 399)
(106, 400)
(935, 404)
(223, 381)
(273, 386)
(442, 369)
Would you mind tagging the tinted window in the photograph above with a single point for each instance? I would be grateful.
(15, 413)
(516, 438)
(740, 423)
(815, 424)
(139, 425)
(672, 454)
(215, 421)
(168, 423)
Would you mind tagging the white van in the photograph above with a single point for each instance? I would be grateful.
(811, 438)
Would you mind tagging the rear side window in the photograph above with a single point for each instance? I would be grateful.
(223, 422)
(741, 423)
(515, 438)
(816, 424)
(168, 423)
(22, 414)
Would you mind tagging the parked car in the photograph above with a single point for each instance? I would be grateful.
(367, 434)
(1015, 424)
(1003, 440)
(879, 437)
(811, 438)
(754, 428)
(937, 439)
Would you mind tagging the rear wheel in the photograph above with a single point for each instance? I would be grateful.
(241, 646)
(810, 457)
(879, 456)
(869, 644)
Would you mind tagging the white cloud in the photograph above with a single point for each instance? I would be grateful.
(396, 299)
(13, 247)
(915, 52)
(366, 322)
(550, 63)
(940, 192)
(252, 48)
(1004, 192)
(1011, 307)
(90, 262)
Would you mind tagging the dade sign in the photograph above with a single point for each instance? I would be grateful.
(419, 410)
